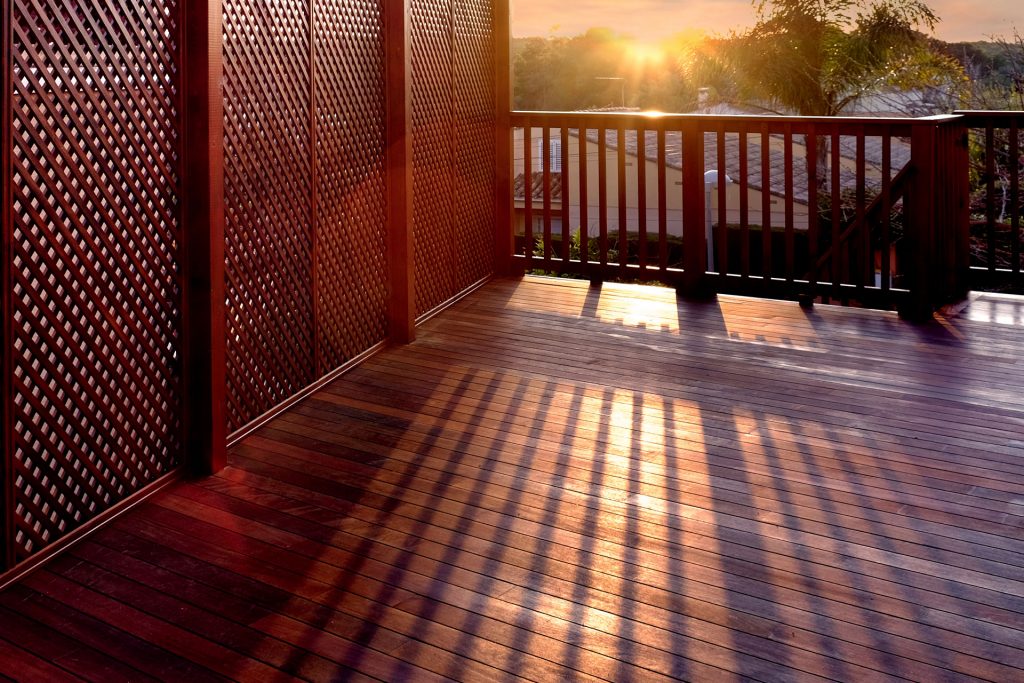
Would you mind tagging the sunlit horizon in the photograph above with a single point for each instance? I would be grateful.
(652, 22)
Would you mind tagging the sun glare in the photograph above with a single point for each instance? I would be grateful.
(644, 55)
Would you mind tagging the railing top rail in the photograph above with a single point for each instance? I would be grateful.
(839, 125)
(1003, 116)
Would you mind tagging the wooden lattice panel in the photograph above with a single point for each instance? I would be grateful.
(268, 200)
(432, 120)
(475, 161)
(351, 208)
(96, 300)
(453, 146)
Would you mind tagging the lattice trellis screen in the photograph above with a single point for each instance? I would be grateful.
(351, 208)
(305, 193)
(95, 307)
(453, 92)
(268, 204)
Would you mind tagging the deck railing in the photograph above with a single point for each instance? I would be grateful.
(872, 211)
(996, 166)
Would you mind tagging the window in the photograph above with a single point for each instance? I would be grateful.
(554, 154)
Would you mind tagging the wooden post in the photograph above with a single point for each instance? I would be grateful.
(202, 246)
(937, 215)
(919, 221)
(503, 206)
(959, 184)
(694, 243)
(6, 264)
(401, 272)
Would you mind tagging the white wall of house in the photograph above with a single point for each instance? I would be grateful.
(674, 192)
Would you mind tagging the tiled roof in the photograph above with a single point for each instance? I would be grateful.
(537, 189)
(777, 159)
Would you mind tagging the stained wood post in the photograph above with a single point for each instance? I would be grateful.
(919, 219)
(957, 180)
(202, 246)
(401, 272)
(930, 213)
(6, 237)
(694, 243)
(503, 142)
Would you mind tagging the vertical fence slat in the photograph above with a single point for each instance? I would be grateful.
(620, 179)
(766, 204)
(811, 149)
(863, 246)
(528, 192)
(1015, 207)
(641, 203)
(602, 194)
(723, 204)
(837, 199)
(563, 179)
(886, 263)
(545, 155)
(790, 219)
(744, 202)
(584, 163)
(662, 202)
(990, 195)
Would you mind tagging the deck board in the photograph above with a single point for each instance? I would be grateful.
(565, 482)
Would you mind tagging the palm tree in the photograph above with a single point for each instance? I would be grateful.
(819, 57)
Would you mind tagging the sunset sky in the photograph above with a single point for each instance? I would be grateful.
(656, 19)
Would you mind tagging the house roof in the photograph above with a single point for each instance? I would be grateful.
(777, 160)
(537, 186)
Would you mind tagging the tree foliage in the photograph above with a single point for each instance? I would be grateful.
(599, 68)
(819, 57)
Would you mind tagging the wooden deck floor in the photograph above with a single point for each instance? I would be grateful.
(558, 482)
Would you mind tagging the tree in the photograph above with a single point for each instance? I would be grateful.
(599, 68)
(819, 57)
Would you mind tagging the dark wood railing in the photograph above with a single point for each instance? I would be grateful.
(870, 211)
(996, 204)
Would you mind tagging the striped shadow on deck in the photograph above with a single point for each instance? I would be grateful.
(559, 482)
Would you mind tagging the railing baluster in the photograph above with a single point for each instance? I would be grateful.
(662, 203)
(766, 204)
(837, 200)
(602, 194)
(886, 265)
(990, 194)
(1014, 163)
(862, 264)
(789, 192)
(566, 194)
(641, 201)
(744, 204)
(546, 174)
(584, 163)
(528, 192)
(620, 178)
(811, 152)
(723, 201)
